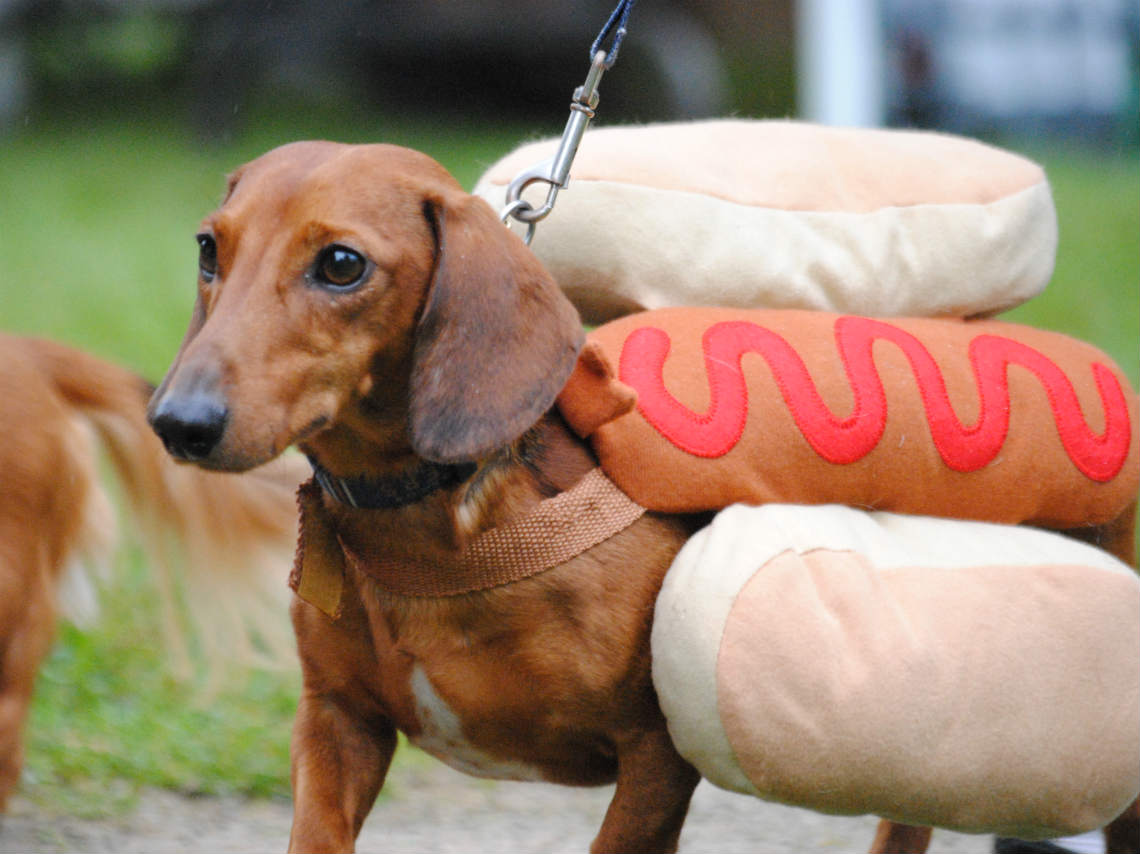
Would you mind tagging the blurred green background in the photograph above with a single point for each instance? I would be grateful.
(113, 154)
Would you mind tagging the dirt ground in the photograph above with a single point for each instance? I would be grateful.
(430, 808)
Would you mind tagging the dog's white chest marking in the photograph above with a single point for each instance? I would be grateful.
(441, 735)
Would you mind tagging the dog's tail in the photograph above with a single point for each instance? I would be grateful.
(219, 545)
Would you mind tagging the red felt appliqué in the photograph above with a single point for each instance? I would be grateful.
(845, 440)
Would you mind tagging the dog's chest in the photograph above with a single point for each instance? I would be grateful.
(441, 734)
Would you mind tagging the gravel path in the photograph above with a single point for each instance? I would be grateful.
(430, 808)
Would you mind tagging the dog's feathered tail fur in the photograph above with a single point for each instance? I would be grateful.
(219, 546)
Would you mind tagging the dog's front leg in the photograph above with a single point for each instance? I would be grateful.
(339, 763)
(654, 786)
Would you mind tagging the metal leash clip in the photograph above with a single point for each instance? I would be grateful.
(555, 170)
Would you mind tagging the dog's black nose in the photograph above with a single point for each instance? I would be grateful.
(189, 425)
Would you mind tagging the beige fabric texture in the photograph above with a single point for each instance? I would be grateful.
(781, 214)
(937, 672)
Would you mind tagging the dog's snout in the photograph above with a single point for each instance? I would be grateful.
(190, 426)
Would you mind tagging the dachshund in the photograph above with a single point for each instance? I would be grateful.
(355, 302)
(57, 519)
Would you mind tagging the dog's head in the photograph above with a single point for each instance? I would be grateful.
(359, 288)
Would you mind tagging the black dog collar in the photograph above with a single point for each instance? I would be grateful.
(387, 493)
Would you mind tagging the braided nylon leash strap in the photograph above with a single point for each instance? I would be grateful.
(616, 27)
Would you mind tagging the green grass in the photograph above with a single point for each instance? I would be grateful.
(108, 717)
(1095, 291)
(97, 216)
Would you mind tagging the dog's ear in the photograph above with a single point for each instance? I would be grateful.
(496, 340)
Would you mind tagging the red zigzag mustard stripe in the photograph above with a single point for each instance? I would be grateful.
(845, 440)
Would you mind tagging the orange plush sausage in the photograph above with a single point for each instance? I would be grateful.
(969, 419)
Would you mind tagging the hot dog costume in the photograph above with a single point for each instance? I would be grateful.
(861, 628)
(825, 656)
(813, 646)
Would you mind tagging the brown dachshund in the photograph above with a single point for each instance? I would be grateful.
(55, 514)
(354, 301)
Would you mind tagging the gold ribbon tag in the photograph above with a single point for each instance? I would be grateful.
(318, 568)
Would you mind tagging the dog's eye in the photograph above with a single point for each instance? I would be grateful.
(207, 256)
(340, 267)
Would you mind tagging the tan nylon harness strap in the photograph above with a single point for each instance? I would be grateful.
(560, 528)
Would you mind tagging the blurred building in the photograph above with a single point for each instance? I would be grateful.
(1043, 66)
(974, 66)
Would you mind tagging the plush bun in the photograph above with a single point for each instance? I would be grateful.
(781, 214)
(935, 672)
